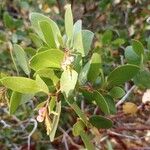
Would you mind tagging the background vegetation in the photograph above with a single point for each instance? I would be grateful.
(115, 23)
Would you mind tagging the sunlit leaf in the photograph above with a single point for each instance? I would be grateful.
(51, 58)
(68, 81)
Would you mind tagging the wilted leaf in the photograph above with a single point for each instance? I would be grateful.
(146, 96)
(130, 108)
(55, 121)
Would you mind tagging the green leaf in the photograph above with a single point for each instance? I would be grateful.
(20, 84)
(11, 22)
(148, 43)
(111, 104)
(51, 58)
(48, 34)
(122, 74)
(118, 42)
(87, 141)
(87, 38)
(55, 121)
(117, 92)
(131, 56)
(84, 73)
(94, 67)
(69, 22)
(42, 85)
(48, 73)
(35, 18)
(78, 127)
(109, 145)
(42, 49)
(142, 79)
(21, 58)
(137, 47)
(101, 102)
(8, 20)
(52, 104)
(14, 102)
(79, 112)
(77, 28)
(68, 82)
(100, 122)
(18, 99)
(78, 44)
(107, 37)
(82, 41)
(104, 3)
(40, 105)
(36, 40)
(77, 64)
(88, 95)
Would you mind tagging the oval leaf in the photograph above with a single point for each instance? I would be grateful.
(101, 102)
(35, 18)
(138, 47)
(14, 102)
(100, 122)
(50, 58)
(48, 34)
(18, 99)
(87, 38)
(131, 56)
(117, 92)
(42, 84)
(87, 141)
(69, 21)
(20, 84)
(68, 81)
(94, 67)
(21, 58)
(122, 74)
(142, 79)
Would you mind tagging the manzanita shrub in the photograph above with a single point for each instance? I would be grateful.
(62, 69)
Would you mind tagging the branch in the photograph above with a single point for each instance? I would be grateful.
(126, 96)
(70, 139)
(122, 135)
(33, 130)
(133, 129)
